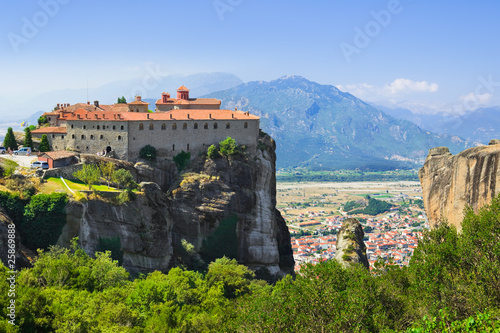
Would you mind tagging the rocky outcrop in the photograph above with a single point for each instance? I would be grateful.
(221, 206)
(452, 182)
(351, 248)
(143, 226)
(23, 255)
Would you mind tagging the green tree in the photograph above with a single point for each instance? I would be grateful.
(42, 120)
(10, 140)
(182, 160)
(28, 140)
(122, 100)
(124, 179)
(228, 147)
(107, 171)
(44, 144)
(89, 174)
(148, 152)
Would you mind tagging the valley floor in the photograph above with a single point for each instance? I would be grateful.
(314, 214)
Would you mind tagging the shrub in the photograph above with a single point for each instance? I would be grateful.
(182, 160)
(44, 144)
(124, 179)
(10, 140)
(9, 166)
(42, 120)
(148, 152)
(228, 147)
(212, 152)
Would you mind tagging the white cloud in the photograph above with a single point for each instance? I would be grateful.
(473, 101)
(399, 86)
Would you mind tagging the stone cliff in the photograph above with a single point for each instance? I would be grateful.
(452, 182)
(221, 206)
(351, 248)
(23, 255)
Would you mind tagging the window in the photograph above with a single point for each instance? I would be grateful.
(91, 137)
(163, 126)
(173, 147)
(72, 136)
(188, 146)
(245, 125)
(205, 126)
(84, 127)
(98, 127)
(141, 127)
(101, 137)
(174, 126)
(72, 126)
(87, 147)
(122, 128)
(215, 125)
(151, 126)
(195, 125)
(119, 137)
(62, 137)
(184, 126)
(83, 137)
(228, 126)
(114, 127)
(53, 136)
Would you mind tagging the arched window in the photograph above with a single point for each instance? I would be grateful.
(53, 136)
(228, 126)
(87, 147)
(91, 137)
(195, 125)
(245, 125)
(119, 137)
(215, 125)
(83, 137)
(141, 127)
(205, 126)
(101, 137)
(114, 127)
(84, 127)
(151, 126)
(72, 126)
(174, 126)
(62, 137)
(98, 127)
(163, 126)
(184, 126)
(122, 128)
(72, 136)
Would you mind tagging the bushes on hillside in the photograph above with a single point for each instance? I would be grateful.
(148, 152)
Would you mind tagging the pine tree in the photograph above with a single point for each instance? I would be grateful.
(44, 144)
(122, 100)
(10, 140)
(28, 140)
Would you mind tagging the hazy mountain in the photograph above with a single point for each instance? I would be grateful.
(321, 127)
(480, 125)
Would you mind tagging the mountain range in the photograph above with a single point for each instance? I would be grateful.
(320, 127)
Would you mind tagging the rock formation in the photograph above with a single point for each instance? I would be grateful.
(452, 182)
(221, 206)
(23, 255)
(351, 248)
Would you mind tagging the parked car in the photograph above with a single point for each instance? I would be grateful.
(40, 165)
(3, 150)
(22, 151)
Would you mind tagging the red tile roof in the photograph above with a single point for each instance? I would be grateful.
(57, 155)
(182, 88)
(50, 130)
(191, 101)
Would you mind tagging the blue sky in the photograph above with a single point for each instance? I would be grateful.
(429, 56)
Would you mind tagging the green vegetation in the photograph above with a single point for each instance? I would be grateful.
(451, 285)
(8, 166)
(148, 152)
(89, 174)
(43, 220)
(124, 179)
(223, 242)
(350, 205)
(182, 160)
(374, 207)
(227, 148)
(122, 100)
(10, 140)
(212, 152)
(305, 175)
(113, 245)
(28, 140)
(44, 144)
(42, 120)
(107, 171)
